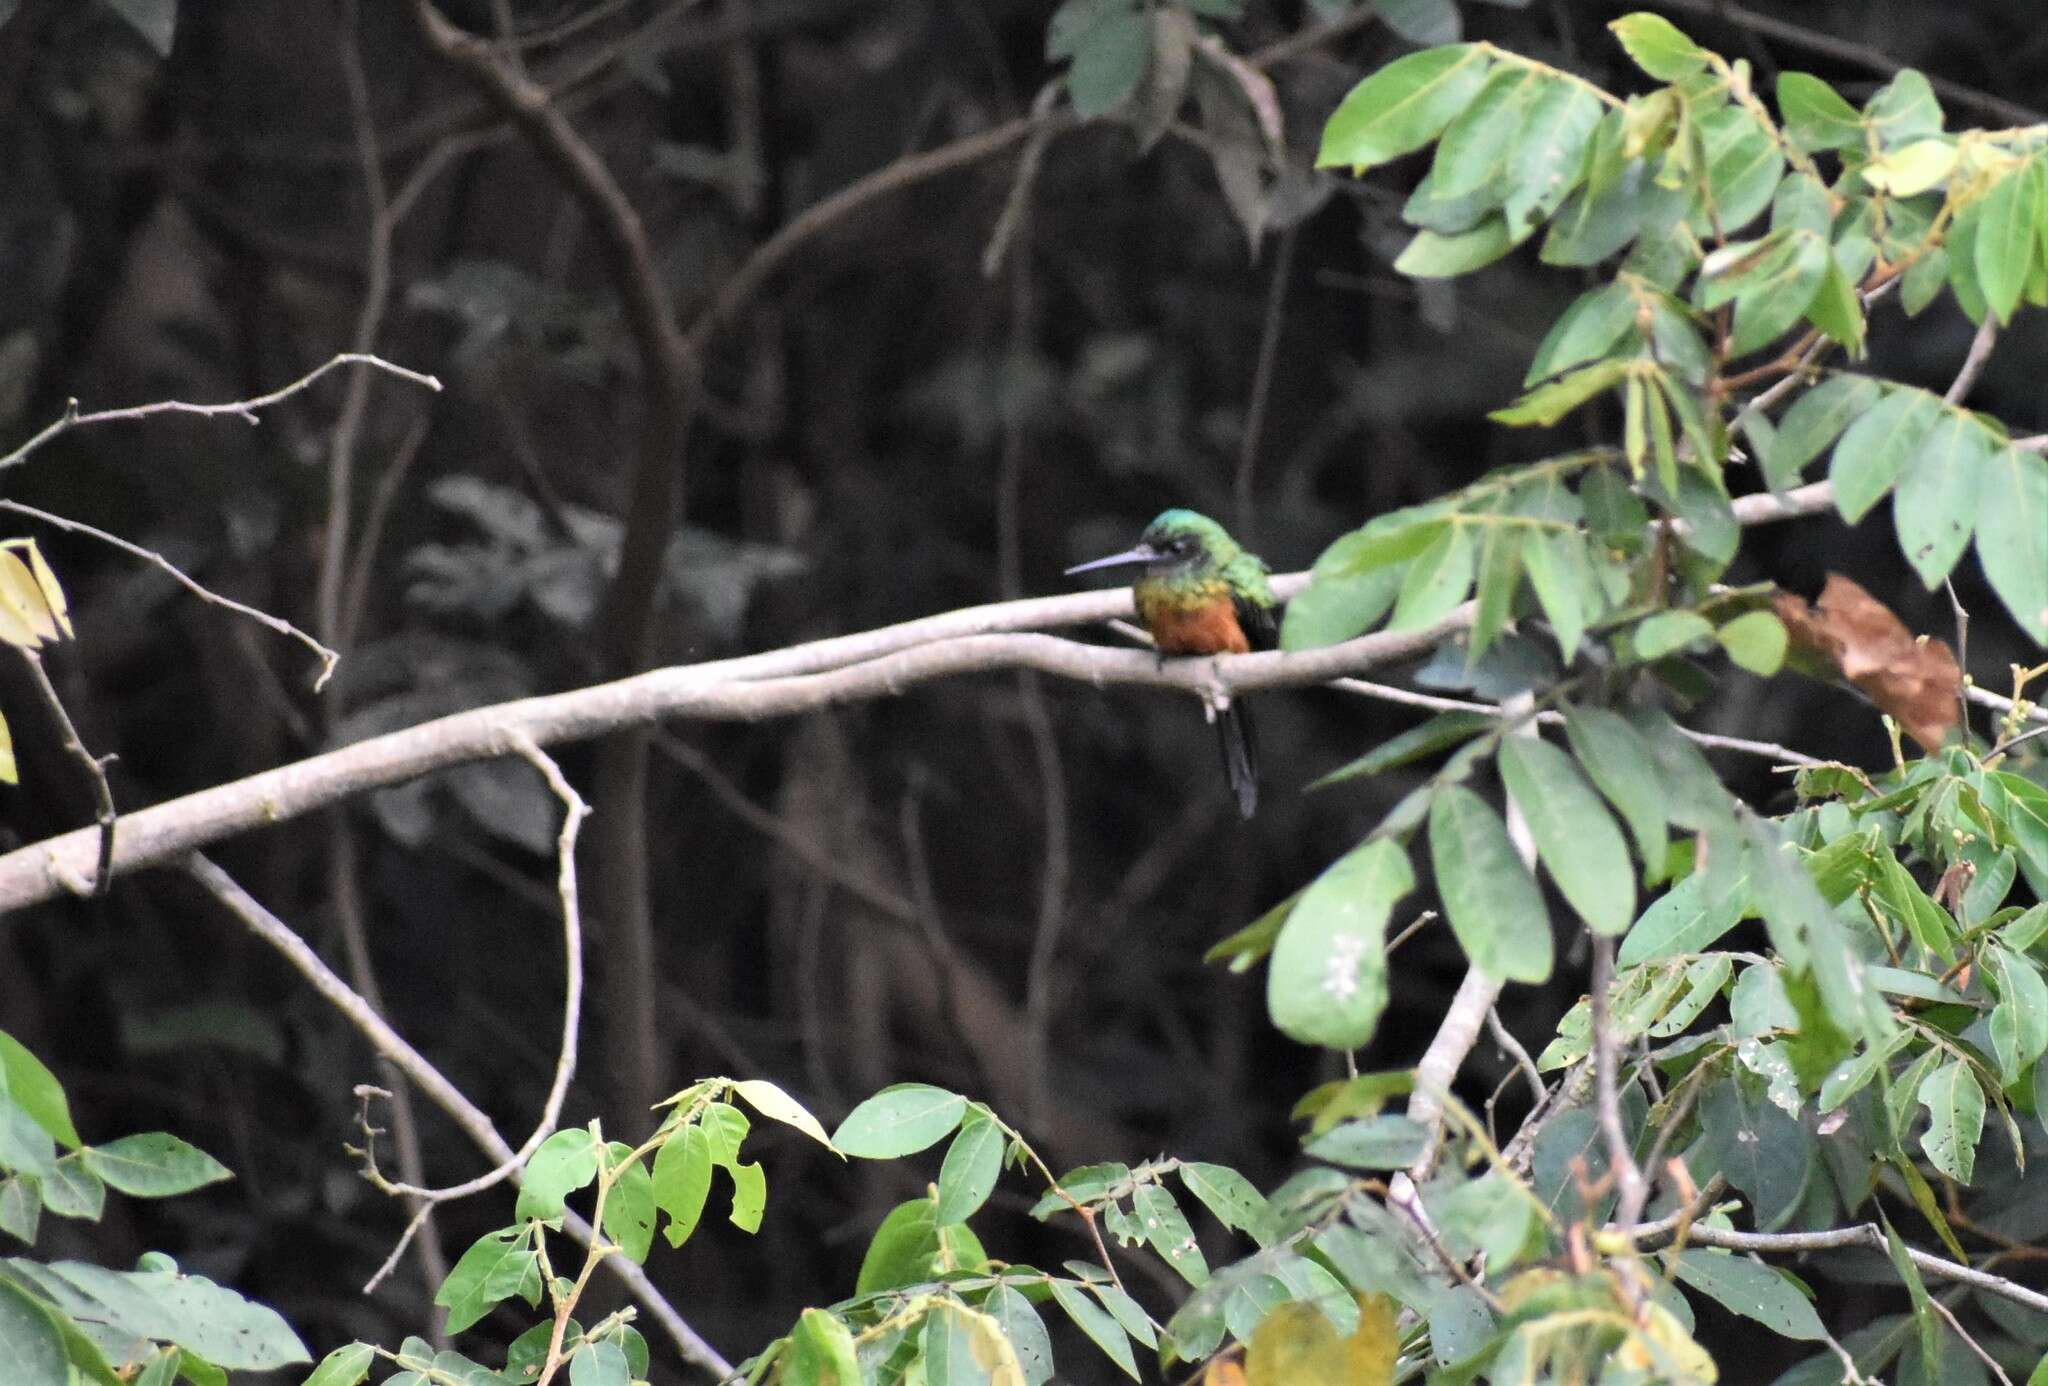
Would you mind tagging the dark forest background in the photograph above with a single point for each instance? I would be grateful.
(1001, 885)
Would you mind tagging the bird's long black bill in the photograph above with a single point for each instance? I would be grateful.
(1144, 553)
(1240, 755)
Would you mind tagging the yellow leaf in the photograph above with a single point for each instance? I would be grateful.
(1223, 1371)
(1295, 1345)
(53, 593)
(23, 599)
(993, 1352)
(8, 773)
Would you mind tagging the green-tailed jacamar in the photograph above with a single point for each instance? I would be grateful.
(1203, 594)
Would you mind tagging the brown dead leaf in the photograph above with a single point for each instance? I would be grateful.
(1856, 636)
(1223, 1371)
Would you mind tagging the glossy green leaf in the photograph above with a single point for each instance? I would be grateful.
(347, 1365)
(1438, 733)
(1753, 1290)
(901, 1251)
(1619, 762)
(1331, 610)
(498, 1266)
(1575, 837)
(2008, 237)
(1935, 508)
(1109, 63)
(154, 1165)
(1876, 448)
(35, 1090)
(1755, 641)
(2019, 1022)
(1102, 1330)
(1815, 420)
(1168, 1233)
(1436, 581)
(1433, 255)
(1327, 981)
(1658, 47)
(1402, 107)
(31, 1348)
(1669, 632)
(2012, 536)
(565, 1162)
(900, 1120)
(1547, 403)
(1495, 907)
(1815, 115)
(682, 1181)
(1955, 1119)
(972, 1165)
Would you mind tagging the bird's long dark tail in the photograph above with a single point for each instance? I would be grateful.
(1240, 754)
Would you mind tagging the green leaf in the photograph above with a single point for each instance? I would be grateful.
(31, 1348)
(1376, 1142)
(972, 1165)
(1936, 505)
(1476, 144)
(1575, 836)
(1548, 154)
(1852, 1075)
(1693, 794)
(498, 1265)
(347, 1365)
(1815, 420)
(1755, 641)
(1549, 402)
(775, 1104)
(1331, 610)
(1669, 632)
(1402, 107)
(1020, 1324)
(1594, 326)
(1433, 255)
(1744, 167)
(207, 1320)
(1658, 47)
(565, 1162)
(1955, 1112)
(629, 1207)
(1109, 63)
(1565, 586)
(1230, 1198)
(1688, 918)
(1876, 448)
(1499, 579)
(900, 1120)
(2012, 536)
(1167, 1232)
(1924, 281)
(1436, 581)
(1903, 110)
(749, 1195)
(1836, 308)
(1619, 762)
(1755, 1291)
(1101, 1329)
(682, 1181)
(1815, 115)
(1770, 294)
(902, 1249)
(2019, 1022)
(1494, 905)
(2008, 236)
(70, 1190)
(1327, 982)
(36, 1091)
(155, 1165)
(600, 1364)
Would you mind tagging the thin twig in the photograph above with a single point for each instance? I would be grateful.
(1864, 1234)
(1974, 361)
(1525, 1065)
(244, 409)
(95, 769)
(328, 658)
(1971, 1343)
(1631, 1189)
(472, 1120)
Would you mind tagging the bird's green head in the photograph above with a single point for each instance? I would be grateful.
(1180, 542)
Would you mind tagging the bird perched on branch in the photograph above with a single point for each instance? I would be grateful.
(1202, 594)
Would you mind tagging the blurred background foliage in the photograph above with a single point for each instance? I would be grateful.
(1000, 885)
